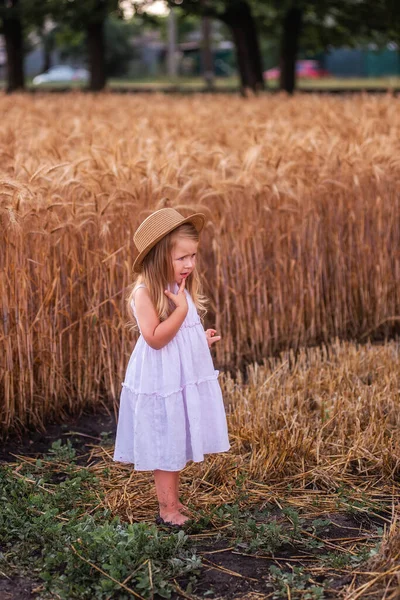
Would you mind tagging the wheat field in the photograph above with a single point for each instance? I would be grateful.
(302, 243)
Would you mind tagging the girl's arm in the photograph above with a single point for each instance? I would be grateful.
(159, 333)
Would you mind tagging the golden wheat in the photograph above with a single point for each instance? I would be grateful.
(302, 243)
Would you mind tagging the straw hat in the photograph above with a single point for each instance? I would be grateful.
(156, 226)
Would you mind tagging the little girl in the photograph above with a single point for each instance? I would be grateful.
(171, 407)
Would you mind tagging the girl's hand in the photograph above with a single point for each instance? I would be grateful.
(178, 299)
(211, 337)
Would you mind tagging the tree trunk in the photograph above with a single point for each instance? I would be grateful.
(172, 64)
(289, 48)
(96, 51)
(48, 46)
(206, 53)
(240, 20)
(12, 29)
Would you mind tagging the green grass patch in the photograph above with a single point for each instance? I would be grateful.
(225, 84)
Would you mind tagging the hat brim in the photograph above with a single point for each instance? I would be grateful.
(198, 220)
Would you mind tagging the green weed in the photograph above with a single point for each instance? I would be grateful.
(296, 583)
(53, 531)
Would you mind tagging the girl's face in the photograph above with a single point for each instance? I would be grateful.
(183, 258)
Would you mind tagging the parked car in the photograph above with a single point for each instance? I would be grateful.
(61, 73)
(309, 69)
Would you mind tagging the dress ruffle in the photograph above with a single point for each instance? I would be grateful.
(163, 395)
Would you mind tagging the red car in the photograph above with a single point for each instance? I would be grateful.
(309, 69)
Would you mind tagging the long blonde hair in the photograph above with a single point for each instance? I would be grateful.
(157, 271)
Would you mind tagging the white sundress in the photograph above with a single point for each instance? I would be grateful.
(171, 406)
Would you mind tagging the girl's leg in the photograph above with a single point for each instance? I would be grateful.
(181, 506)
(167, 483)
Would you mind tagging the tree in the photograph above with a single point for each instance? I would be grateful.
(11, 27)
(291, 28)
(206, 53)
(88, 16)
(237, 15)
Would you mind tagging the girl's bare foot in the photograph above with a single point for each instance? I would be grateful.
(175, 517)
